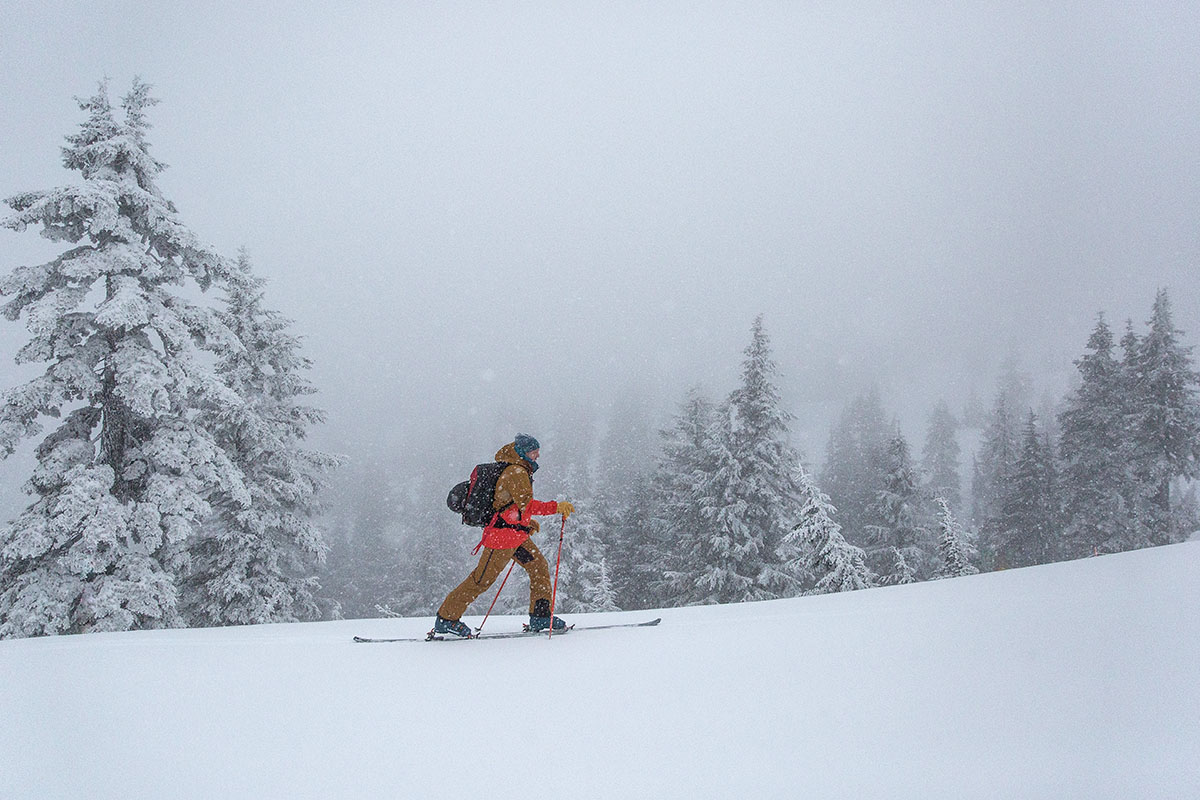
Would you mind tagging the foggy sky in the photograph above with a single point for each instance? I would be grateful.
(579, 202)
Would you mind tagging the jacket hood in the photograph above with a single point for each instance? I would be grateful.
(508, 455)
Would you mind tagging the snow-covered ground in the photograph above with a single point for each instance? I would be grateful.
(1077, 680)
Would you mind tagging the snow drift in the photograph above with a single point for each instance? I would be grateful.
(1069, 680)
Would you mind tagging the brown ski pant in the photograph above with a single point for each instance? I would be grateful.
(491, 564)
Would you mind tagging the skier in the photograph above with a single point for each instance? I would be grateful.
(506, 538)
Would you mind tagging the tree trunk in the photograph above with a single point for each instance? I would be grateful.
(114, 421)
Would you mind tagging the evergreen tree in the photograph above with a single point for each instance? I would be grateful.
(993, 469)
(941, 457)
(728, 489)
(1187, 513)
(1143, 517)
(603, 595)
(257, 564)
(901, 571)
(996, 460)
(1095, 452)
(820, 548)
(640, 556)
(768, 491)
(721, 559)
(898, 506)
(584, 581)
(1015, 386)
(125, 478)
(952, 547)
(585, 584)
(623, 499)
(1001, 444)
(974, 414)
(1027, 525)
(856, 464)
(1165, 424)
(677, 522)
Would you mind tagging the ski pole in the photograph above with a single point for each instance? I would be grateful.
(557, 562)
(497, 597)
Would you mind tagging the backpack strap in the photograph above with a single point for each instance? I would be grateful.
(498, 521)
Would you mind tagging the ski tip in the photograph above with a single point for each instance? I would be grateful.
(653, 621)
(361, 639)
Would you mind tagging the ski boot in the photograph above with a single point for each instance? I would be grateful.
(543, 623)
(454, 627)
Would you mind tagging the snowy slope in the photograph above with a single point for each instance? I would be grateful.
(1075, 680)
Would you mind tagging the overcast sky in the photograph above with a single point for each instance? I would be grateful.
(575, 201)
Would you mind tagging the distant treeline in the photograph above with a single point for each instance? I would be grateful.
(725, 511)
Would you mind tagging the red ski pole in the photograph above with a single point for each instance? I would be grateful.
(557, 562)
(497, 597)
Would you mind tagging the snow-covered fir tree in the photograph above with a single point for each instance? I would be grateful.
(639, 555)
(1139, 488)
(719, 561)
(587, 585)
(941, 456)
(992, 471)
(898, 507)
(648, 510)
(952, 546)
(258, 564)
(1187, 512)
(1165, 417)
(124, 479)
(974, 414)
(669, 546)
(996, 459)
(1001, 442)
(1028, 523)
(584, 583)
(818, 547)
(901, 571)
(1095, 454)
(1129, 350)
(769, 496)
(856, 464)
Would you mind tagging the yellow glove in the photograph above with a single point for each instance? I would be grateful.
(565, 508)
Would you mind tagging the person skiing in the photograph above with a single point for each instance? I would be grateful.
(505, 538)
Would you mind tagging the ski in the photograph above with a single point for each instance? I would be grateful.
(523, 634)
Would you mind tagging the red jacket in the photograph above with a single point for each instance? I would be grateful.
(497, 538)
(514, 499)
